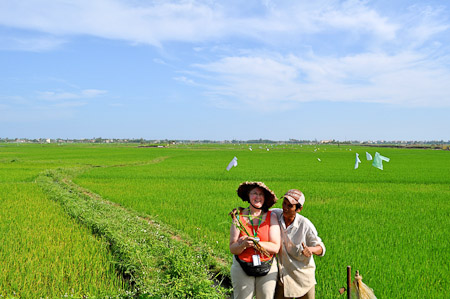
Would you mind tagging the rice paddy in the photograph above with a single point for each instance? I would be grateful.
(44, 253)
(392, 224)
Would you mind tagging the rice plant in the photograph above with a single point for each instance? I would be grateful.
(46, 254)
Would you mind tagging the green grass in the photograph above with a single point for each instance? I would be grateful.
(156, 264)
(43, 253)
(391, 225)
(384, 223)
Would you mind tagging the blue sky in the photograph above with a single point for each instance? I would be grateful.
(222, 70)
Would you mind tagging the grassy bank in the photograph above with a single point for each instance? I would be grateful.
(148, 254)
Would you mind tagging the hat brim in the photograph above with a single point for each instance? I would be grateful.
(269, 197)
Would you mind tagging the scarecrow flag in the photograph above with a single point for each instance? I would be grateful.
(357, 161)
(233, 163)
(368, 156)
(378, 161)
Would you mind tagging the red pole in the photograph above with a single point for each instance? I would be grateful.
(349, 279)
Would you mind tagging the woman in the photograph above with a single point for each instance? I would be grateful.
(254, 269)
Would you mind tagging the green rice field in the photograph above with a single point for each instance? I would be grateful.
(43, 253)
(392, 225)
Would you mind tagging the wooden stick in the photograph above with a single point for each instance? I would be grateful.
(349, 279)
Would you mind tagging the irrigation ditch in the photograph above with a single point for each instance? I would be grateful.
(155, 260)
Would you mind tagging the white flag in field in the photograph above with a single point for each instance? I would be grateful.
(378, 161)
(357, 161)
(368, 156)
(233, 163)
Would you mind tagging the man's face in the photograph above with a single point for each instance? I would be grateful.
(289, 209)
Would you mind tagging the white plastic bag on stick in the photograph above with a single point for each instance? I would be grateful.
(233, 163)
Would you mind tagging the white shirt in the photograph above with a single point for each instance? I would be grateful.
(297, 272)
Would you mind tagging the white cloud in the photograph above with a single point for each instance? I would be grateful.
(92, 93)
(117, 105)
(70, 104)
(58, 96)
(407, 79)
(46, 105)
(159, 21)
(396, 58)
(423, 23)
(159, 61)
(150, 24)
(356, 16)
(185, 80)
(31, 44)
(13, 100)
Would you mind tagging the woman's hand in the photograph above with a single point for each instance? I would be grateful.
(239, 243)
(246, 242)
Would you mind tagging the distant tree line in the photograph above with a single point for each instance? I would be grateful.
(397, 143)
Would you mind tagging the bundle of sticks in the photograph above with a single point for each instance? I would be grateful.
(360, 289)
(238, 223)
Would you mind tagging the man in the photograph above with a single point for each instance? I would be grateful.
(299, 242)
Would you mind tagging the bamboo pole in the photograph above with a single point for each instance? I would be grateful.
(349, 278)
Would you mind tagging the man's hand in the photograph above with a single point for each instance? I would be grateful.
(306, 250)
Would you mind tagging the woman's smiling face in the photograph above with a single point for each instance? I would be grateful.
(256, 196)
